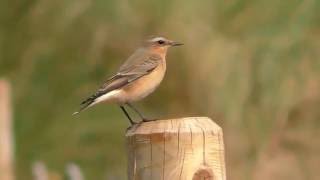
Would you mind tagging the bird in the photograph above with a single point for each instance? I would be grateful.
(136, 78)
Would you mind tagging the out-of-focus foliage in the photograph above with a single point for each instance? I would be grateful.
(253, 66)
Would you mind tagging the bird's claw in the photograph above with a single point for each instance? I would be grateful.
(148, 120)
(137, 124)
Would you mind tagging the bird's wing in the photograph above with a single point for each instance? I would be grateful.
(128, 73)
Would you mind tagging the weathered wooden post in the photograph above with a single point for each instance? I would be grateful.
(176, 149)
(6, 146)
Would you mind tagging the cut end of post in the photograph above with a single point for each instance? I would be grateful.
(168, 124)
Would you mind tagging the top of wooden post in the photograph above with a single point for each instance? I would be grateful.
(197, 124)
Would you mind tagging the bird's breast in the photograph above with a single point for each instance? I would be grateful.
(145, 85)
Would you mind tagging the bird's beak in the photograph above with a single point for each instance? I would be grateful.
(173, 43)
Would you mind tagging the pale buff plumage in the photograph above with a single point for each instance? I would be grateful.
(137, 90)
(139, 76)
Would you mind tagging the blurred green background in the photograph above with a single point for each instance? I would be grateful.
(252, 66)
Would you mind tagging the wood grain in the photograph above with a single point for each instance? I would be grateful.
(183, 149)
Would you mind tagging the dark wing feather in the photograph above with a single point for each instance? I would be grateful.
(116, 82)
(128, 73)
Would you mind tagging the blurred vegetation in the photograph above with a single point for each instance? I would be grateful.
(253, 66)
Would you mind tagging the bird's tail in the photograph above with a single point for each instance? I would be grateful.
(84, 107)
(75, 113)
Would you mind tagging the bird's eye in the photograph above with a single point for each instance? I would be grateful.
(160, 42)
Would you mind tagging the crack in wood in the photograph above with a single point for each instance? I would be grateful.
(184, 154)
(191, 137)
(204, 142)
(221, 154)
(179, 138)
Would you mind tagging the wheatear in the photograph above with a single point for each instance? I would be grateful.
(137, 77)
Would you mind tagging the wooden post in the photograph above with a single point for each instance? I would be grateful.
(6, 146)
(176, 149)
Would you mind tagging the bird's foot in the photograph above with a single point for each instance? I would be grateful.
(148, 120)
(133, 124)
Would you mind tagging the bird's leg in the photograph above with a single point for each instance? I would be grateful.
(141, 116)
(136, 110)
(126, 113)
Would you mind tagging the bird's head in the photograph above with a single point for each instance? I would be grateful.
(160, 44)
